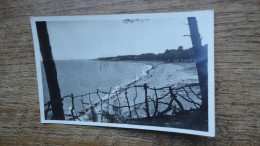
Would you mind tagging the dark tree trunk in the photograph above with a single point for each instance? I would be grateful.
(201, 59)
(50, 71)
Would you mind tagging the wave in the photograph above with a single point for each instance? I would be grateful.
(120, 88)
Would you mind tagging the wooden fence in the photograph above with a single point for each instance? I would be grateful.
(175, 95)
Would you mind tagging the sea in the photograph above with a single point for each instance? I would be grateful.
(83, 76)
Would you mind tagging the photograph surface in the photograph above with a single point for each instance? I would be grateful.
(142, 71)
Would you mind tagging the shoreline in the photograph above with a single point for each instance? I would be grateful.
(128, 84)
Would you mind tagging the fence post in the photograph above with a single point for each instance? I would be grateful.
(173, 97)
(128, 104)
(134, 103)
(92, 108)
(119, 105)
(73, 108)
(108, 100)
(156, 103)
(176, 100)
(101, 105)
(146, 101)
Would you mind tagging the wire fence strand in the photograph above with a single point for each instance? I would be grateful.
(114, 103)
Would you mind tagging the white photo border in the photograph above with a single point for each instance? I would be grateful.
(208, 14)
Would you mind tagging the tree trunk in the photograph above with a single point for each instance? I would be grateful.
(50, 71)
(201, 59)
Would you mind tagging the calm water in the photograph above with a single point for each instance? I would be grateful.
(82, 76)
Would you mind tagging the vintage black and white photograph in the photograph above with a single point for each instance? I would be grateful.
(141, 71)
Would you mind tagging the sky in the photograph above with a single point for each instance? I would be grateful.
(91, 39)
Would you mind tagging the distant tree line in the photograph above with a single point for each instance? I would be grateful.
(170, 55)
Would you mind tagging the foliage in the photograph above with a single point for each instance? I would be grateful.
(170, 55)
